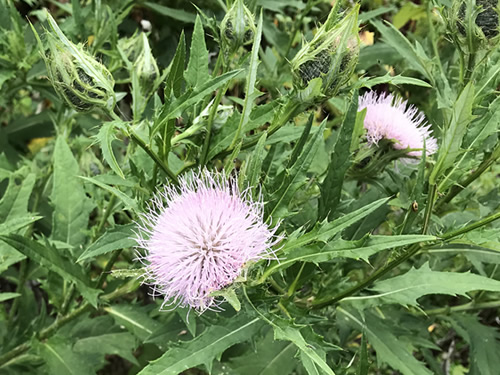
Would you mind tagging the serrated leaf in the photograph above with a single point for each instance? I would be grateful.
(203, 349)
(197, 70)
(175, 75)
(454, 133)
(15, 200)
(127, 201)
(294, 177)
(175, 109)
(324, 231)
(121, 344)
(360, 249)
(393, 80)
(71, 205)
(283, 330)
(135, 319)
(253, 167)
(49, 257)
(386, 344)
(407, 288)
(17, 223)
(60, 359)
(340, 160)
(484, 344)
(119, 237)
(106, 136)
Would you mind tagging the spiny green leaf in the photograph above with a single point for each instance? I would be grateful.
(15, 200)
(60, 359)
(127, 201)
(203, 349)
(197, 70)
(105, 138)
(49, 257)
(119, 237)
(407, 288)
(135, 319)
(386, 344)
(71, 205)
(175, 75)
(17, 223)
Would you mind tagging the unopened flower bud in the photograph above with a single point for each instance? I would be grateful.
(483, 13)
(331, 55)
(82, 81)
(237, 27)
(137, 53)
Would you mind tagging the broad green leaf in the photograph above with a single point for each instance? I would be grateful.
(407, 288)
(49, 257)
(119, 237)
(135, 319)
(15, 200)
(105, 137)
(177, 14)
(197, 70)
(17, 223)
(7, 296)
(71, 205)
(8, 256)
(61, 359)
(250, 92)
(269, 358)
(121, 344)
(295, 176)
(205, 348)
(454, 133)
(398, 41)
(253, 166)
(175, 75)
(284, 330)
(484, 344)
(386, 344)
(127, 201)
(360, 249)
(340, 160)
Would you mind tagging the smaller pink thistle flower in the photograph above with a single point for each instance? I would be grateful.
(199, 237)
(392, 118)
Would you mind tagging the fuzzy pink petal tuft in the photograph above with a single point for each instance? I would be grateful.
(392, 118)
(198, 237)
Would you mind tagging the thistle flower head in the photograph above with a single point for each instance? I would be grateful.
(476, 20)
(331, 55)
(237, 27)
(78, 78)
(392, 118)
(197, 238)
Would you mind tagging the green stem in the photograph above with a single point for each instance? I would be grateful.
(465, 307)
(23, 271)
(107, 268)
(153, 156)
(456, 189)
(431, 197)
(211, 118)
(468, 228)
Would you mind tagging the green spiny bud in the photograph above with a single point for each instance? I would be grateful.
(331, 55)
(137, 54)
(237, 27)
(482, 15)
(78, 78)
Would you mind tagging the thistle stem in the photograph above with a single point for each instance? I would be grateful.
(107, 268)
(465, 307)
(431, 197)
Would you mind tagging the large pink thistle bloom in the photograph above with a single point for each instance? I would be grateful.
(199, 237)
(392, 118)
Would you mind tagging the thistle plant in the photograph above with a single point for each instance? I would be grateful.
(244, 190)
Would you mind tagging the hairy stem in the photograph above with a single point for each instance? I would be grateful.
(465, 307)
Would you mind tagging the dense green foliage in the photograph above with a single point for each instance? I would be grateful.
(389, 262)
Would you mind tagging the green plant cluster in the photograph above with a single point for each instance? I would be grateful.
(389, 262)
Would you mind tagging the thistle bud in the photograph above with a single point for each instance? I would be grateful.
(331, 55)
(77, 77)
(482, 14)
(237, 27)
(137, 54)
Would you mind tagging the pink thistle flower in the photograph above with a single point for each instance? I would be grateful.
(200, 236)
(392, 118)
